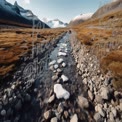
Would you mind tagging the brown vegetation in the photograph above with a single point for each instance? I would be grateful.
(99, 34)
(15, 43)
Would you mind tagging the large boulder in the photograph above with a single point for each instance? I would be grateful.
(61, 92)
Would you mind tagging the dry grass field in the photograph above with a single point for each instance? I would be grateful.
(17, 42)
(104, 36)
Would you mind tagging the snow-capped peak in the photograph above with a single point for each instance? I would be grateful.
(54, 23)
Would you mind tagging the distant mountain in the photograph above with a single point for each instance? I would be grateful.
(80, 18)
(112, 6)
(17, 16)
(56, 23)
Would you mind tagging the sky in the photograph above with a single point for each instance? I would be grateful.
(64, 10)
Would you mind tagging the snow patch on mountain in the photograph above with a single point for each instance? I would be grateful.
(56, 23)
(83, 17)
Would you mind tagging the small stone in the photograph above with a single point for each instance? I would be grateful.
(83, 102)
(66, 114)
(59, 61)
(105, 93)
(54, 119)
(59, 70)
(54, 78)
(56, 66)
(51, 99)
(97, 117)
(13, 86)
(3, 112)
(47, 114)
(60, 108)
(85, 81)
(52, 62)
(114, 111)
(64, 78)
(74, 118)
(111, 116)
(98, 99)
(64, 64)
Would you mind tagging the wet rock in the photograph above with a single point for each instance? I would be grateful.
(64, 78)
(54, 119)
(97, 117)
(48, 114)
(5, 99)
(61, 92)
(83, 102)
(13, 86)
(52, 62)
(59, 61)
(9, 112)
(54, 78)
(3, 112)
(51, 99)
(74, 118)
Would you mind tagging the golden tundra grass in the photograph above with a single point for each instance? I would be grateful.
(94, 31)
(13, 43)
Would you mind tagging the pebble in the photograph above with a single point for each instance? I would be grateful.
(52, 62)
(51, 99)
(64, 64)
(54, 119)
(56, 66)
(97, 117)
(83, 102)
(47, 114)
(64, 78)
(74, 118)
(54, 78)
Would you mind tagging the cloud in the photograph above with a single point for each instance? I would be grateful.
(26, 1)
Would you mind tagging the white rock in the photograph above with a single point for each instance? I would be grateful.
(85, 81)
(56, 66)
(59, 61)
(83, 102)
(74, 118)
(64, 64)
(61, 92)
(64, 78)
(62, 54)
(52, 62)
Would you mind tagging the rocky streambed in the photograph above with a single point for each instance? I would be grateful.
(106, 101)
(69, 88)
